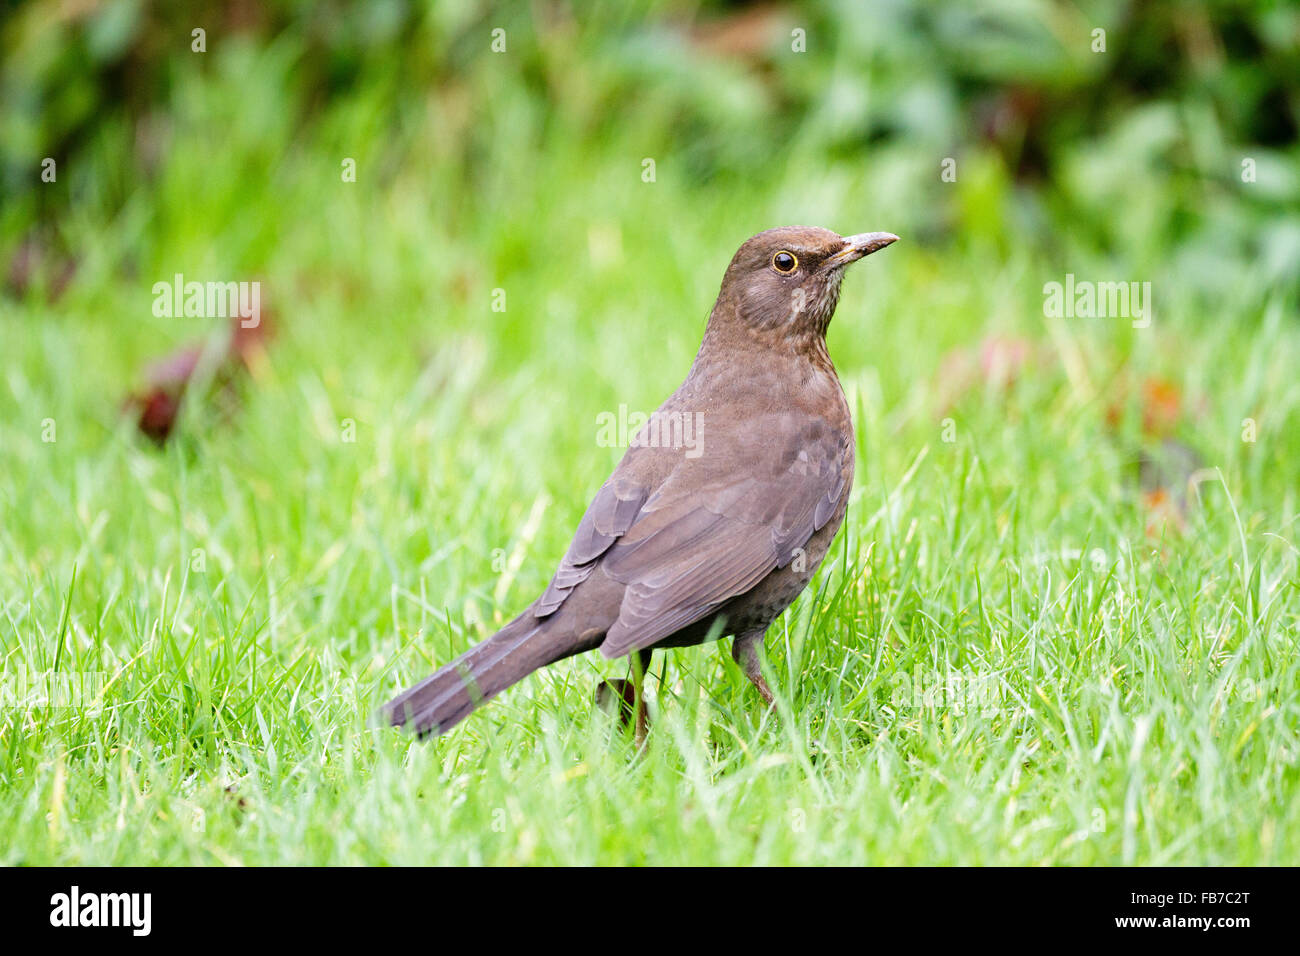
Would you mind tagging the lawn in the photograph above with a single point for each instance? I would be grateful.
(1011, 656)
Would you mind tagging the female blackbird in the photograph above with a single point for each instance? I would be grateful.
(724, 505)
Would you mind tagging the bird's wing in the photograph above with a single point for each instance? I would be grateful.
(707, 535)
(609, 515)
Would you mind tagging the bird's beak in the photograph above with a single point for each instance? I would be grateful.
(855, 247)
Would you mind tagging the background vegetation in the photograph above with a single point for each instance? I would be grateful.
(1026, 647)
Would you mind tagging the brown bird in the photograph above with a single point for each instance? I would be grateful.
(724, 505)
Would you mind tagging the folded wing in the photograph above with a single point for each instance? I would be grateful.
(703, 537)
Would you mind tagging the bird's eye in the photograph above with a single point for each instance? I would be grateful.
(785, 262)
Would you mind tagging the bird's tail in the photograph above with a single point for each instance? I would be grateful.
(451, 693)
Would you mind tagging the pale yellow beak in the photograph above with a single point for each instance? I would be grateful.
(855, 247)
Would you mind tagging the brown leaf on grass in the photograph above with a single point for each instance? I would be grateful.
(1167, 471)
(745, 34)
(1161, 405)
(157, 405)
(1167, 464)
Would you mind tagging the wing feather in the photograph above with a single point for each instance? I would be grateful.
(613, 510)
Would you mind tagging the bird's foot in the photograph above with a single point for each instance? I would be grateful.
(766, 692)
(623, 699)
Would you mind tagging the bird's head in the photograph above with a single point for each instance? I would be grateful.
(788, 279)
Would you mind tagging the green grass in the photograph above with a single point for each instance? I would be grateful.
(997, 663)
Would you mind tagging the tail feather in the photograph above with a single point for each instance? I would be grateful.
(454, 691)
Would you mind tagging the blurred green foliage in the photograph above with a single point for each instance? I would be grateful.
(1057, 137)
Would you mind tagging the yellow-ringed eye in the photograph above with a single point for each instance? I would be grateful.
(785, 262)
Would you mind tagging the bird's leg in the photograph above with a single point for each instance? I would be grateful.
(747, 651)
(640, 667)
(628, 697)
